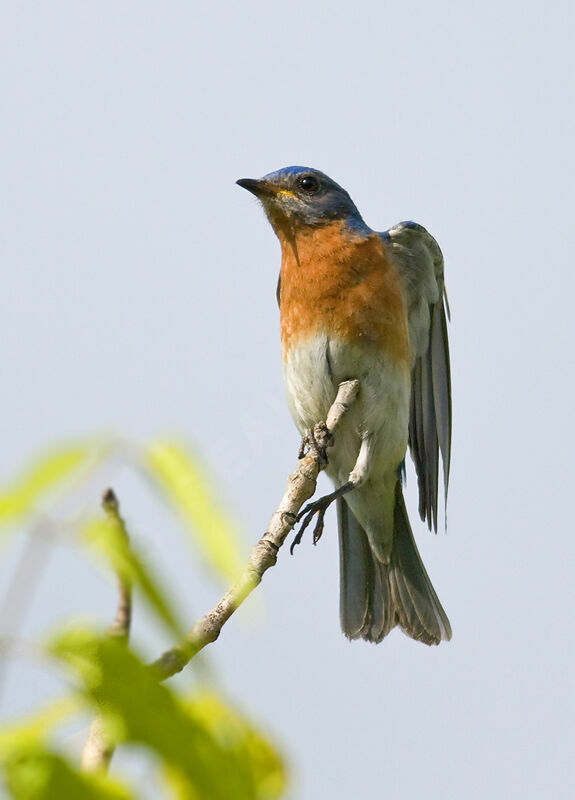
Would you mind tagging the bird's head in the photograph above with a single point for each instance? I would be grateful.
(299, 196)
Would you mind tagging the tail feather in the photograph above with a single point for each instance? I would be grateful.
(375, 597)
(418, 609)
(365, 592)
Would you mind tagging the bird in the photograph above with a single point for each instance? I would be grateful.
(356, 304)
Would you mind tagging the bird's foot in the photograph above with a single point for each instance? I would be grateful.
(310, 444)
(318, 507)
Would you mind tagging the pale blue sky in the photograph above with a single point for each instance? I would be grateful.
(139, 297)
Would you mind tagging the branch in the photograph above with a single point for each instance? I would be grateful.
(301, 486)
(98, 750)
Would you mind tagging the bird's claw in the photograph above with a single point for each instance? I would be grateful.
(310, 444)
(318, 507)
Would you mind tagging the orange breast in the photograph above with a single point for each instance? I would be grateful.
(338, 282)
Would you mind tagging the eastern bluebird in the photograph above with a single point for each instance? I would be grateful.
(359, 304)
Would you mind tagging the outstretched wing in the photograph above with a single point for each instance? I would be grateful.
(420, 263)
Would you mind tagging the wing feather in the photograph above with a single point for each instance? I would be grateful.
(439, 349)
(420, 263)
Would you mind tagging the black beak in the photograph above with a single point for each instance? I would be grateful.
(254, 185)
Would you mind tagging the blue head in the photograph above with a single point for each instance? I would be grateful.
(300, 196)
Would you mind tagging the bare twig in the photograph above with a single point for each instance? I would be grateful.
(301, 486)
(120, 627)
(98, 750)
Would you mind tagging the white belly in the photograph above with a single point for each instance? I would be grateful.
(312, 373)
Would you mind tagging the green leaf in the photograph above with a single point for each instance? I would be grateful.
(33, 772)
(108, 539)
(183, 481)
(202, 760)
(43, 475)
(35, 729)
(233, 730)
(37, 774)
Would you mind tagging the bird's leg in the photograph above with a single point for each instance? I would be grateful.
(356, 477)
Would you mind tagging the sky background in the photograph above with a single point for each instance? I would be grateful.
(138, 299)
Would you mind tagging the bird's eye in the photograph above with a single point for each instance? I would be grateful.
(309, 184)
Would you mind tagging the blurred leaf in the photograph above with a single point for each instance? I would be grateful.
(36, 728)
(235, 732)
(36, 774)
(33, 772)
(44, 474)
(204, 758)
(108, 538)
(183, 481)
